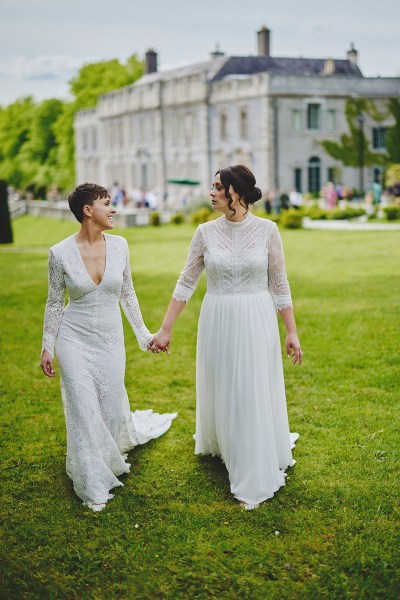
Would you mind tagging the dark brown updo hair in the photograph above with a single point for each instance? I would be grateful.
(83, 194)
(243, 182)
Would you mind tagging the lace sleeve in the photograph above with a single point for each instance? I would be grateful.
(189, 278)
(54, 305)
(277, 280)
(131, 308)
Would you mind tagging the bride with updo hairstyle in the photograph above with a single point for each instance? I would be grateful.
(241, 412)
(245, 185)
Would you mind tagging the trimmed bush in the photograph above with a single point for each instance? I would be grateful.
(177, 219)
(392, 213)
(155, 219)
(315, 213)
(292, 219)
(260, 212)
(200, 216)
(345, 213)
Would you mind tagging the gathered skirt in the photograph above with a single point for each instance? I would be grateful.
(241, 412)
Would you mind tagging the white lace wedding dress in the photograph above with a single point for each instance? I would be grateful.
(241, 412)
(89, 342)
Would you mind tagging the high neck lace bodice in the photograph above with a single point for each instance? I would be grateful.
(244, 257)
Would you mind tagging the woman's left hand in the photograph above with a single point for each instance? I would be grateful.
(293, 349)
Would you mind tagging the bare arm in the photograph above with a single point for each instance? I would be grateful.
(292, 343)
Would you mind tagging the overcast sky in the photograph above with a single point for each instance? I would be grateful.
(44, 42)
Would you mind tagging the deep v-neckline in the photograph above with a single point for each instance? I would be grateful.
(83, 262)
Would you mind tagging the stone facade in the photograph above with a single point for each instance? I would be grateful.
(269, 113)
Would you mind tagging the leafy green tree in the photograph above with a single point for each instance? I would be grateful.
(15, 125)
(348, 151)
(91, 81)
(37, 139)
(393, 133)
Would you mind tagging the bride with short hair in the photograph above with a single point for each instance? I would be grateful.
(88, 337)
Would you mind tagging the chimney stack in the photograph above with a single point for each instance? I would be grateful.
(329, 67)
(151, 61)
(352, 55)
(217, 52)
(263, 38)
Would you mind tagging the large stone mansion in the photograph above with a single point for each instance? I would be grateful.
(266, 112)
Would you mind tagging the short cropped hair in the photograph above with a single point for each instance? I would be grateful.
(83, 194)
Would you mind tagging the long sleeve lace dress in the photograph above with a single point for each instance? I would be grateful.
(241, 412)
(89, 342)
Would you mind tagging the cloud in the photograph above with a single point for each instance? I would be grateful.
(40, 68)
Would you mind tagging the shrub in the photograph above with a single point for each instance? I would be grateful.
(315, 213)
(155, 219)
(292, 219)
(213, 215)
(177, 219)
(392, 212)
(200, 216)
(273, 217)
(260, 212)
(345, 213)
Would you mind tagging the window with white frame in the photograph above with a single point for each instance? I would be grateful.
(379, 138)
(223, 126)
(297, 180)
(314, 174)
(314, 116)
(244, 124)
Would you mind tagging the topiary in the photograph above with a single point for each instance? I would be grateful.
(291, 219)
(392, 213)
(155, 219)
(200, 216)
(177, 219)
(315, 213)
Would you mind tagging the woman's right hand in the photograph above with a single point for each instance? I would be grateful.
(161, 340)
(47, 364)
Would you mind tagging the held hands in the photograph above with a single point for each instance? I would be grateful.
(160, 342)
(293, 349)
(47, 364)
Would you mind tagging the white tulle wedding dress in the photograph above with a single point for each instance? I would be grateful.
(241, 412)
(89, 342)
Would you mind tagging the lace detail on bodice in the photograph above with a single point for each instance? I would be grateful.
(67, 271)
(239, 258)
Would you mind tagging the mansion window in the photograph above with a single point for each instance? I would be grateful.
(332, 174)
(379, 138)
(314, 116)
(223, 132)
(331, 120)
(296, 119)
(94, 139)
(314, 175)
(297, 180)
(243, 124)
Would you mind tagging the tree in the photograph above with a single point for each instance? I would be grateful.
(91, 81)
(37, 139)
(393, 133)
(348, 151)
(15, 125)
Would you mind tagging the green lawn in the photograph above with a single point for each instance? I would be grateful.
(174, 531)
